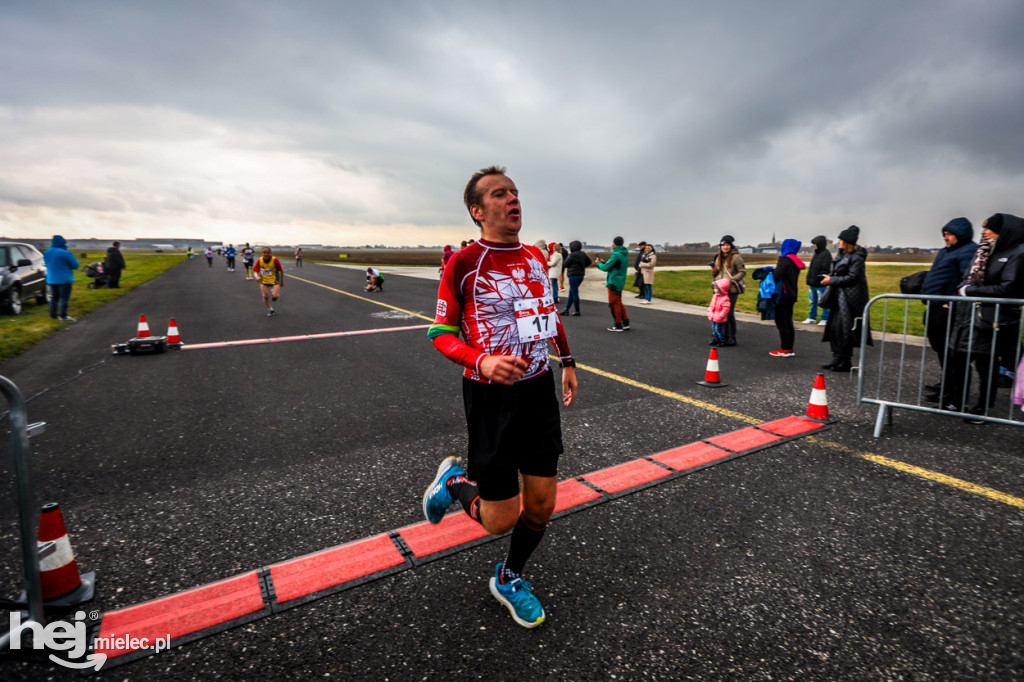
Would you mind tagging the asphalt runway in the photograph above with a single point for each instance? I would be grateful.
(833, 556)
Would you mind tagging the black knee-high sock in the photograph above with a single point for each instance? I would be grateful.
(467, 494)
(525, 538)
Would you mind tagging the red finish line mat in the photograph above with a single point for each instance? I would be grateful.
(627, 477)
(128, 634)
(574, 496)
(792, 426)
(691, 456)
(321, 573)
(132, 632)
(456, 531)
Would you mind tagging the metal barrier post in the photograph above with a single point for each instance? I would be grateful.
(27, 509)
(883, 410)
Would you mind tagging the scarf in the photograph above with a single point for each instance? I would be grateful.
(976, 275)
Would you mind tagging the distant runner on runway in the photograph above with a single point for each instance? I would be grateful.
(248, 255)
(497, 293)
(229, 256)
(271, 276)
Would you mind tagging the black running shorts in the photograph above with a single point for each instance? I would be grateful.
(512, 430)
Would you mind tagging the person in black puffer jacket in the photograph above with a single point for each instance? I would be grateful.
(575, 269)
(947, 271)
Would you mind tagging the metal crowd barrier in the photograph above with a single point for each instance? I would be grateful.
(905, 363)
(28, 511)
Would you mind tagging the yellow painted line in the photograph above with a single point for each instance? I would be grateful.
(363, 298)
(935, 476)
(927, 474)
(669, 394)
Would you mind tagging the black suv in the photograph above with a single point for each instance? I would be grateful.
(22, 276)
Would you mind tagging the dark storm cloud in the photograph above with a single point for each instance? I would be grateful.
(677, 118)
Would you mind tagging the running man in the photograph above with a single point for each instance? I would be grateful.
(270, 274)
(229, 256)
(497, 293)
(248, 255)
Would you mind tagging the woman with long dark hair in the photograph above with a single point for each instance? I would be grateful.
(729, 264)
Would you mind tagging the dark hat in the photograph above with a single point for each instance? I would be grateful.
(618, 241)
(960, 228)
(850, 234)
(994, 223)
(727, 239)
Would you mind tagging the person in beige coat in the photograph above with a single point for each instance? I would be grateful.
(647, 262)
(729, 263)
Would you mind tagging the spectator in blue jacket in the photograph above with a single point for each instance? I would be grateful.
(786, 275)
(60, 267)
(947, 271)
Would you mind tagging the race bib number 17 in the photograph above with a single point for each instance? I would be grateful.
(536, 319)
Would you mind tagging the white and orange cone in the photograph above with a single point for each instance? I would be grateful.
(173, 338)
(712, 376)
(143, 328)
(58, 572)
(817, 408)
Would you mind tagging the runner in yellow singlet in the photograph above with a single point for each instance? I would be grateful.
(270, 275)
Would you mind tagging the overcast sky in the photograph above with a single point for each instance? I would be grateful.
(349, 123)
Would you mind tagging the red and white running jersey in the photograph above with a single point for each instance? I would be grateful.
(477, 298)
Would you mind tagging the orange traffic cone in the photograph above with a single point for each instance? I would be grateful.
(712, 377)
(143, 328)
(173, 339)
(58, 571)
(817, 408)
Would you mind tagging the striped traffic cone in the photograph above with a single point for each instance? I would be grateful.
(817, 408)
(712, 377)
(61, 583)
(143, 328)
(173, 338)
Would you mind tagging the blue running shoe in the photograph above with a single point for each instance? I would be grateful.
(436, 499)
(517, 595)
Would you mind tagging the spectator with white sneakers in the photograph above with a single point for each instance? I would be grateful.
(821, 264)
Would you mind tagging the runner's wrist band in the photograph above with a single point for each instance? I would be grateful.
(568, 363)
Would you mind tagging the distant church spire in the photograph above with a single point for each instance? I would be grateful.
(773, 238)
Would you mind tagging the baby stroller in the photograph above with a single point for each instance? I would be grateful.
(99, 278)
